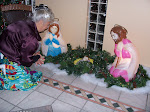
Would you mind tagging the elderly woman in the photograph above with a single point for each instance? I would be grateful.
(18, 46)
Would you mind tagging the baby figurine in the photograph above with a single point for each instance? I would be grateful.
(52, 43)
(127, 59)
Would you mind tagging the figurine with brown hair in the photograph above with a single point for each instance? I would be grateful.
(126, 62)
(52, 43)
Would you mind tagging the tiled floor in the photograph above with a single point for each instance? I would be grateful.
(64, 94)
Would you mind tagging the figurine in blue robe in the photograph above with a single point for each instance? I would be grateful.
(53, 44)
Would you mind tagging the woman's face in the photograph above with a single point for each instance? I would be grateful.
(42, 25)
(45, 26)
(54, 29)
(114, 36)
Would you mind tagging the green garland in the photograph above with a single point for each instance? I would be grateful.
(99, 67)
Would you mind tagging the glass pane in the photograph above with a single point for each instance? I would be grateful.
(98, 47)
(93, 17)
(90, 45)
(102, 8)
(91, 36)
(92, 27)
(101, 18)
(94, 7)
(100, 28)
(94, 0)
(99, 38)
(104, 1)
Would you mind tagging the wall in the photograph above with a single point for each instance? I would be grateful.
(72, 16)
(134, 15)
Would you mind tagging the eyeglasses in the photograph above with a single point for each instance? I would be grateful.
(41, 6)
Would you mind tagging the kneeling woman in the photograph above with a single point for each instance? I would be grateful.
(18, 46)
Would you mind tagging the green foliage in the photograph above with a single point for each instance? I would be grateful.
(99, 67)
(66, 60)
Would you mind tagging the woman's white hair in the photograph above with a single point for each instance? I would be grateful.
(42, 12)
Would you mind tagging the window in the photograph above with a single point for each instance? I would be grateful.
(30, 2)
(96, 24)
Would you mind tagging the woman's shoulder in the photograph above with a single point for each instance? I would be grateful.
(18, 26)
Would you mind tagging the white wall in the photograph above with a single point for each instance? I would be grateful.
(134, 15)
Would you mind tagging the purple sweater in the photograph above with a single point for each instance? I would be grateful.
(19, 42)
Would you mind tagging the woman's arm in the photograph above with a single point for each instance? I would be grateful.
(28, 48)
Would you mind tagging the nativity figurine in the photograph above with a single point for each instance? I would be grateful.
(126, 62)
(53, 43)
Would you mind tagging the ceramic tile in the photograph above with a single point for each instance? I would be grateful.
(39, 109)
(137, 100)
(93, 107)
(15, 109)
(36, 99)
(32, 67)
(47, 73)
(14, 97)
(73, 100)
(84, 85)
(107, 92)
(148, 104)
(39, 84)
(1, 91)
(59, 106)
(44, 70)
(83, 111)
(64, 78)
(49, 91)
(5, 106)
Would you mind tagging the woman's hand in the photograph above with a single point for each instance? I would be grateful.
(41, 60)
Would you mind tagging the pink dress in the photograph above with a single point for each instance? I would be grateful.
(129, 62)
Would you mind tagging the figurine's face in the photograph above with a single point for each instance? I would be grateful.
(54, 29)
(114, 36)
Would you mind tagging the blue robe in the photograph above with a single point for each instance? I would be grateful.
(52, 51)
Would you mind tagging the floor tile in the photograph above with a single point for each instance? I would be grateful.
(107, 92)
(39, 84)
(84, 85)
(83, 111)
(64, 78)
(1, 91)
(71, 99)
(5, 106)
(15, 97)
(49, 91)
(45, 71)
(47, 108)
(93, 107)
(15, 109)
(148, 103)
(36, 99)
(59, 106)
(137, 100)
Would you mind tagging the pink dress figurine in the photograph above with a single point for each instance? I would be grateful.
(126, 62)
